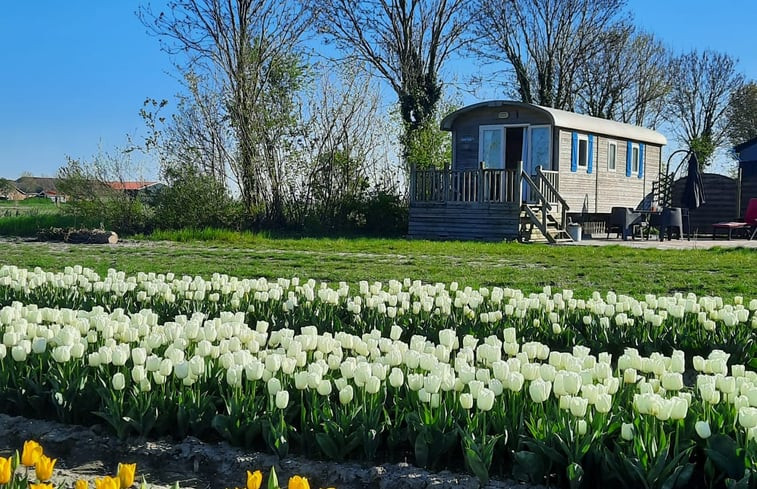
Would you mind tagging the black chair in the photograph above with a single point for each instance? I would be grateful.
(623, 221)
(671, 220)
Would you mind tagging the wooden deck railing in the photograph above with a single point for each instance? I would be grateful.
(465, 186)
(548, 183)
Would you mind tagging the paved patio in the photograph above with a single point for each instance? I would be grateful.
(675, 244)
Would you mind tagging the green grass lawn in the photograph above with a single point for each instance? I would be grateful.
(724, 272)
(36, 202)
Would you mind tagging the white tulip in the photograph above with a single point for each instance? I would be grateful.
(282, 399)
(748, 417)
(324, 387)
(346, 394)
(578, 406)
(466, 400)
(703, 429)
(396, 378)
(485, 400)
(372, 385)
(119, 381)
(18, 353)
(181, 370)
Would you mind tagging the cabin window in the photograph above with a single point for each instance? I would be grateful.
(634, 159)
(583, 151)
(612, 155)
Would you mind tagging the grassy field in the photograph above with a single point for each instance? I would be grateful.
(33, 202)
(630, 271)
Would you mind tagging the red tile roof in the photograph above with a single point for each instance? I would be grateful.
(130, 185)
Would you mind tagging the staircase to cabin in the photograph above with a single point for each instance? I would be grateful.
(543, 220)
(534, 228)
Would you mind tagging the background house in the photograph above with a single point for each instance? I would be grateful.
(9, 191)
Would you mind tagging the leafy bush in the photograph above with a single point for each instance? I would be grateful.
(195, 200)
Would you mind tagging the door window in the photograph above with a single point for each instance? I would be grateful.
(491, 151)
(540, 147)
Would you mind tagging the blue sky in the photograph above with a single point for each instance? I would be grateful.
(73, 75)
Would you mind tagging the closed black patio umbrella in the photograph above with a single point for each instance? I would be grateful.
(693, 193)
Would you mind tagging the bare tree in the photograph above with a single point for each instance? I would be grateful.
(249, 48)
(406, 41)
(343, 141)
(742, 114)
(628, 80)
(704, 84)
(198, 134)
(544, 42)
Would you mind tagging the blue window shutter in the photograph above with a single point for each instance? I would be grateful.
(641, 160)
(574, 153)
(590, 155)
(628, 159)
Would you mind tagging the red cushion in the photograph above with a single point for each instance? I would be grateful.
(732, 225)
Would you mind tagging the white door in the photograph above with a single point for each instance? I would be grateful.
(492, 148)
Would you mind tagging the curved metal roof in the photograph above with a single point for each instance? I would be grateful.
(570, 120)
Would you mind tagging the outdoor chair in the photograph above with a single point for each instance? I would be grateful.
(623, 221)
(671, 220)
(748, 225)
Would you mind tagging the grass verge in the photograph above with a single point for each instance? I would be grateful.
(28, 225)
(625, 270)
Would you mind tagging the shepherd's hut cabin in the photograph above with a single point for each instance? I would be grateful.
(518, 169)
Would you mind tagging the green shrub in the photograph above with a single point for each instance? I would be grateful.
(197, 201)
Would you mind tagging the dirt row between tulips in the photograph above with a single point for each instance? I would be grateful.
(88, 452)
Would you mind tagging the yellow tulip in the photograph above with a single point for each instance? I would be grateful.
(44, 468)
(81, 484)
(31, 453)
(126, 474)
(297, 482)
(41, 485)
(6, 470)
(108, 482)
(254, 479)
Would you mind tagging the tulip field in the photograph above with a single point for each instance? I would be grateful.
(651, 391)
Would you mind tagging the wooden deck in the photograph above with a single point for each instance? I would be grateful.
(487, 221)
(482, 204)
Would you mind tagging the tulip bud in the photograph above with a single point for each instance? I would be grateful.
(282, 399)
(515, 381)
(346, 394)
(582, 427)
(539, 390)
(703, 429)
(626, 431)
(119, 381)
(466, 400)
(748, 417)
(672, 381)
(181, 370)
(629, 376)
(396, 377)
(679, 408)
(372, 385)
(485, 400)
(578, 406)
(603, 403)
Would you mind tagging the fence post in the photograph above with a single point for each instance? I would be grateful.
(446, 182)
(480, 183)
(412, 182)
(519, 182)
